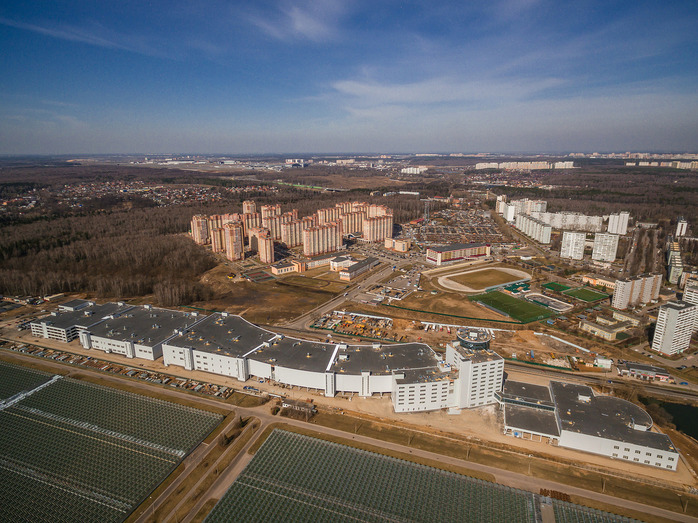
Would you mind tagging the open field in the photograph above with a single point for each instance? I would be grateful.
(269, 301)
(446, 303)
(76, 451)
(483, 278)
(586, 294)
(520, 310)
(553, 286)
(298, 478)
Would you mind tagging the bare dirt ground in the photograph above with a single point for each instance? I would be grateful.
(269, 301)
(477, 280)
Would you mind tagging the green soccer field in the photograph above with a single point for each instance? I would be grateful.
(585, 294)
(559, 287)
(517, 309)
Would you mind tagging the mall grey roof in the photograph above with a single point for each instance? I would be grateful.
(604, 416)
(384, 358)
(527, 419)
(74, 305)
(83, 317)
(229, 335)
(297, 354)
(527, 392)
(145, 325)
(475, 355)
(427, 375)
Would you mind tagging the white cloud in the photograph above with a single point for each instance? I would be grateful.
(314, 20)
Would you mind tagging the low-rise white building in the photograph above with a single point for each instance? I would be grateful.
(66, 323)
(572, 416)
(139, 332)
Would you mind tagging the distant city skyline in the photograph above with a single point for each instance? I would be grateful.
(275, 77)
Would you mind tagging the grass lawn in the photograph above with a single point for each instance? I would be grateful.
(559, 287)
(586, 294)
(520, 310)
(484, 278)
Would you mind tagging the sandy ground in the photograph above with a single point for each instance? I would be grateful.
(448, 283)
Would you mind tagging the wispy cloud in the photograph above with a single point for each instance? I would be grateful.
(314, 20)
(362, 97)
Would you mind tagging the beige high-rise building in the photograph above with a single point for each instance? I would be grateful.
(249, 207)
(270, 210)
(378, 228)
(328, 215)
(344, 207)
(322, 239)
(199, 229)
(266, 250)
(217, 240)
(253, 235)
(292, 232)
(251, 220)
(273, 223)
(230, 218)
(352, 221)
(289, 216)
(234, 241)
(214, 222)
(636, 291)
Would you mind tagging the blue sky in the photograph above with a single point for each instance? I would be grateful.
(347, 76)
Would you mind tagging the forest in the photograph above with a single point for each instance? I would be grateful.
(121, 246)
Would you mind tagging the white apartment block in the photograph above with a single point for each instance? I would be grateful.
(480, 374)
(533, 228)
(570, 220)
(636, 291)
(572, 245)
(605, 247)
(690, 293)
(501, 202)
(618, 223)
(681, 227)
(676, 323)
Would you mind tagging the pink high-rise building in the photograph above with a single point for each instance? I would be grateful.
(266, 250)
(253, 235)
(251, 220)
(322, 239)
(352, 222)
(378, 228)
(199, 229)
(270, 210)
(234, 246)
(217, 240)
(328, 215)
(273, 223)
(249, 207)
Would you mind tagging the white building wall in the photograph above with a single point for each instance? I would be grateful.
(619, 450)
(300, 378)
(259, 369)
(348, 382)
(416, 397)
